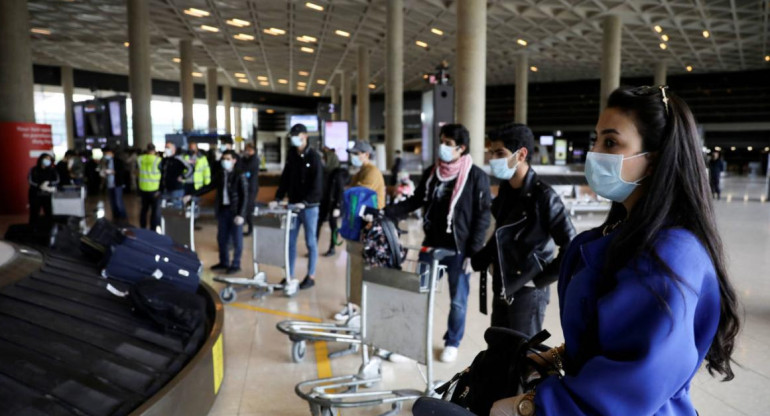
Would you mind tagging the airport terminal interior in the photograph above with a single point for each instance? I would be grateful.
(234, 122)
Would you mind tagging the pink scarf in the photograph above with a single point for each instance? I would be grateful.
(459, 169)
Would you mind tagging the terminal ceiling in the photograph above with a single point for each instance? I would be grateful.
(563, 38)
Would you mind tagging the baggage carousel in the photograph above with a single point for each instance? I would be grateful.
(68, 346)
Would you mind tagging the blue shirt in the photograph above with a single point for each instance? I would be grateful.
(628, 354)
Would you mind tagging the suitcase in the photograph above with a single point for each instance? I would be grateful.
(38, 235)
(102, 236)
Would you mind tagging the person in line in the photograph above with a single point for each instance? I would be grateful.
(91, 172)
(201, 170)
(43, 181)
(336, 178)
(368, 175)
(231, 209)
(646, 297)
(398, 167)
(249, 165)
(63, 168)
(529, 218)
(716, 167)
(149, 187)
(132, 155)
(113, 171)
(302, 182)
(174, 172)
(454, 195)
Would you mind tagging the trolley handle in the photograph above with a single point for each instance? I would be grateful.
(437, 253)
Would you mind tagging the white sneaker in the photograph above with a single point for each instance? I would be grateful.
(392, 356)
(449, 355)
(345, 313)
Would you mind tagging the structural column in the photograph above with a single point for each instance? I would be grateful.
(394, 81)
(186, 84)
(660, 73)
(68, 86)
(362, 97)
(140, 83)
(211, 97)
(610, 58)
(522, 89)
(470, 94)
(346, 112)
(227, 94)
(335, 102)
(16, 83)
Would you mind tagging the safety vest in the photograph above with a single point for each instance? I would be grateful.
(149, 172)
(202, 173)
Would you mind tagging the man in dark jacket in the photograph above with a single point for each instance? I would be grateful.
(63, 168)
(716, 167)
(113, 170)
(231, 210)
(398, 166)
(43, 181)
(302, 181)
(249, 166)
(529, 218)
(454, 195)
(174, 172)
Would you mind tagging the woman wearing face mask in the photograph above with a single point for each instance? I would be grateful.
(43, 181)
(454, 195)
(645, 298)
(529, 218)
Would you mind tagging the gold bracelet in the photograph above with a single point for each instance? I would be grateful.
(557, 359)
(526, 406)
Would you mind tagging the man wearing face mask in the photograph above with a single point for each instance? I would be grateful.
(231, 210)
(454, 195)
(43, 181)
(302, 182)
(174, 172)
(368, 175)
(530, 220)
(249, 166)
(113, 171)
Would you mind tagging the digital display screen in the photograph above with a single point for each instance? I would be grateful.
(336, 136)
(310, 122)
(546, 140)
(80, 123)
(116, 121)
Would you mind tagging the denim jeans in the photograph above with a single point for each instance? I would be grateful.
(116, 203)
(174, 198)
(525, 314)
(228, 232)
(308, 218)
(459, 286)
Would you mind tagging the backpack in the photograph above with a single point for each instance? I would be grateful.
(354, 200)
(381, 245)
(496, 373)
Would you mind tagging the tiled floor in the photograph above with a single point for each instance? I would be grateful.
(260, 376)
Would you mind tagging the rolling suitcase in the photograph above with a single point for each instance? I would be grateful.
(132, 264)
(100, 238)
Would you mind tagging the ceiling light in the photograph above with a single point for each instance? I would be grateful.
(437, 31)
(425, 76)
(767, 58)
(732, 148)
(275, 31)
(533, 68)
(243, 36)
(208, 28)
(261, 78)
(316, 94)
(177, 60)
(767, 149)
(689, 68)
(706, 34)
(197, 75)
(240, 75)
(237, 22)
(303, 73)
(321, 81)
(314, 6)
(522, 42)
(751, 149)
(196, 12)
(658, 29)
(264, 83)
(126, 44)
(421, 43)
(372, 86)
(283, 81)
(663, 46)
(249, 58)
(270, 111)
(664, 37)
(718, 149)
(306, 39)
(301, 84)
(342, 33)
(40, 31)
(243, 80)
(300, 88)
(306, 49)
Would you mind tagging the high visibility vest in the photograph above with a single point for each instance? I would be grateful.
(202, 173)
(149, 172)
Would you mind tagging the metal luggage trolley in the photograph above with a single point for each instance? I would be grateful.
(179, 223)
(270, 246)
(70, 201)
(301, 332)
(393, 301)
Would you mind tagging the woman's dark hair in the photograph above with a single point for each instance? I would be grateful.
(678, 195)
(458, 133)
(514, 136)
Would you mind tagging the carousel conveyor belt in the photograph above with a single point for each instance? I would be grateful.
(70, 347)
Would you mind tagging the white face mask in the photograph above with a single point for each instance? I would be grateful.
(46, 162)
(296, 141)
(603, 172)
(355, 160)
(168, 152)
(446, 153)
(500, 169)
(227, 165)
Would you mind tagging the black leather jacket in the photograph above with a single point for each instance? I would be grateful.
(523, 246)
(237, 191)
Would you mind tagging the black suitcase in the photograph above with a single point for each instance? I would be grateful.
(39, 235)
(102, 236)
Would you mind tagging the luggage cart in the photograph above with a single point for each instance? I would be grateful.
(392, 303)
(70, 201)
(179, 224)
(302, 332)
(270, 246)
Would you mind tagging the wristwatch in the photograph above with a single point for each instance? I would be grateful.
(526, 406)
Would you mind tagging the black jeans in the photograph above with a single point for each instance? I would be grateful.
(323, 216)
(150, 203)
(36, 202)
(525, 314)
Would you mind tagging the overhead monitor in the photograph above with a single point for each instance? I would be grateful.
(80, 122)
(310, 121)
(546, 140)
(336, 136)
(116, 119)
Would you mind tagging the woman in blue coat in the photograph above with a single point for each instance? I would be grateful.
(645, 298)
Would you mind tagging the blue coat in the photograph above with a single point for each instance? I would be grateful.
(628, 354)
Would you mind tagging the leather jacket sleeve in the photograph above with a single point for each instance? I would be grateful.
(412, 203)
(481, 214)
(556, 220)
(243, 190)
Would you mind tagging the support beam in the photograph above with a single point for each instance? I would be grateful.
(470, 94)
(16, 84)
(227, 97)
(522, 88)
(186, 84)
(660, 73)
(613, 28)
(346, 112)
(140, 82)
(68, 87)
(335, 102)
(362, 98)
(394, 81)
(212, 97)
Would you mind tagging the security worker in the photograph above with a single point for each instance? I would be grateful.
(201, 169)
(149, 187)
